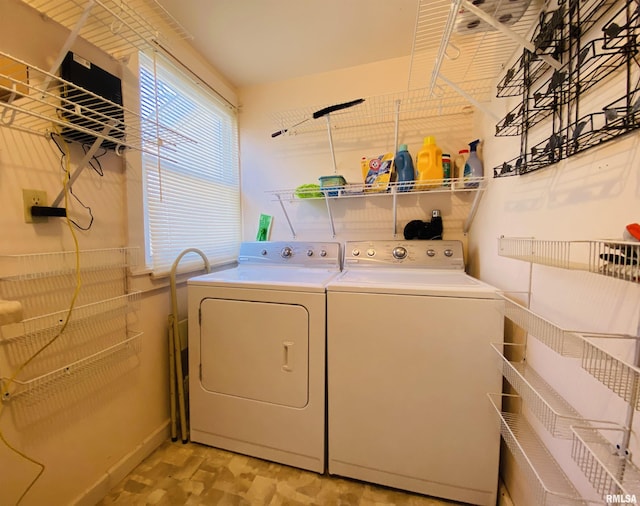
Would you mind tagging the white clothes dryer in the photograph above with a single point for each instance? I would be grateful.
(257, 342)
(409, 366)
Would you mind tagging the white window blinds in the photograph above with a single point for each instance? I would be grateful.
(192, 189)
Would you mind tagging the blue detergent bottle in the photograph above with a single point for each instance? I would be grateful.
(404, 169)
(473, 166)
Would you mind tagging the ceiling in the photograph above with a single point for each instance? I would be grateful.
(258, 41)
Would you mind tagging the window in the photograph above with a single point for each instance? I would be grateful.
(192, 188)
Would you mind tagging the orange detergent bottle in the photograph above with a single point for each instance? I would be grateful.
(429, 172)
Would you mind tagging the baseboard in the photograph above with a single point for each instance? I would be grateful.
(121, 469)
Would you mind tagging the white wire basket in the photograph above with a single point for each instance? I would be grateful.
(56, 382)
(546, 481)
(619, 376)
(607, 467)
(550, 408)
(39, 265)
(615, 259)
(39, 329)
(564, 342)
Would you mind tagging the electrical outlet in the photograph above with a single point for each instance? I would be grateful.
(34, 198)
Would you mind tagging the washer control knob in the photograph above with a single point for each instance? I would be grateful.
(399, 252)
(356, 252)
(263, 252)
(323, 253)
(286, 252)
(371, 252)
(431, 252)
(309, 252)
(448, 252)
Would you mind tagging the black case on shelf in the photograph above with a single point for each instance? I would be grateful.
(88, 111)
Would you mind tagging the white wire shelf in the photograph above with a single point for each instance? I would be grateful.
(616, 259)
(419, 108)
(554, 412)
(42, 328)
(476, 185)
(42, 387)
(448, 43)
(620, 377)
(546, 480)
(361, 190)
(40, 265)
(116, 26)
(609, 470)
(47, 104)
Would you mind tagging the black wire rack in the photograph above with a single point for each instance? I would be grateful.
(596, 45)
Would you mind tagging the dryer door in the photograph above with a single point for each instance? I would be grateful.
(255, 350)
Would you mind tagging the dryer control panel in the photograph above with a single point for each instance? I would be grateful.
(422, 254)
(300, 253)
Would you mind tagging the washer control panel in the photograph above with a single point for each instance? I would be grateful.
(424, 254)
(307, 254)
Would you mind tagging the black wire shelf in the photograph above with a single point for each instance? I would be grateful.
(616, 119)
(602, 48)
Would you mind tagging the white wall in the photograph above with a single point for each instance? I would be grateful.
(88, 443)
(288, 161)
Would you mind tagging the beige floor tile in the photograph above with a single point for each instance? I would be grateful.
(191, 474)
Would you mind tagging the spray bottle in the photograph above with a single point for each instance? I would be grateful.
(473, 167)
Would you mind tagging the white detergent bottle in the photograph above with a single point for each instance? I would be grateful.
(473, 167)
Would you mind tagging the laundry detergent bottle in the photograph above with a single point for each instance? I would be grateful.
(404, 169)
(473, 167)
(429, 165)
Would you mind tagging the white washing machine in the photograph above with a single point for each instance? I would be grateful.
(409, 366)
(257, 343)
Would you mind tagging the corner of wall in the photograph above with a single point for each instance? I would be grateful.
(123, 467)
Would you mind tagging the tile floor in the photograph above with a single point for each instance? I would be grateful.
(179, 474)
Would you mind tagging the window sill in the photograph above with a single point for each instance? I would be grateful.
(145, 280)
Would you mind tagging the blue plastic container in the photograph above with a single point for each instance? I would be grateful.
(404, 169)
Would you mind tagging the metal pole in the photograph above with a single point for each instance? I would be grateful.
(333, 228)
(85, 161)
(333, 155)
(286, 216)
